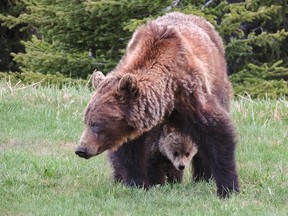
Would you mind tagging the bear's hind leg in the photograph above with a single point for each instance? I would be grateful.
(218, 139)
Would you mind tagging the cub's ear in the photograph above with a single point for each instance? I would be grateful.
(97, 78)
(167, 129)
(128, 85)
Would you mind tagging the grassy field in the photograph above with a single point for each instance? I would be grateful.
(41, 175)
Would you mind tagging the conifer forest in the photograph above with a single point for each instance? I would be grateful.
(64, 41)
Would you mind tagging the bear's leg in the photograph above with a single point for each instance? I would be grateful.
(174, 175)
(156, 173)
(117, 177)
(129, 163)
(200, 167)
(118, 169)
(218, 140)
(224, 170)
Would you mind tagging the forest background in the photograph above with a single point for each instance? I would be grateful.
(60, 41)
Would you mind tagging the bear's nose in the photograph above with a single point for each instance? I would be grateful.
(82, 152)
(181, 167)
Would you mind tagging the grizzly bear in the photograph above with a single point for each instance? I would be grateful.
(168, 153)
(174, 71)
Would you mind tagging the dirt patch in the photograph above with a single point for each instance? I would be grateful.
(11, 144)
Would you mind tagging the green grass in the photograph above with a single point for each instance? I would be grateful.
(40, 174)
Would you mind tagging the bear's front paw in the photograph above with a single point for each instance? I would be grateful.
(225, 192)
(138, 184)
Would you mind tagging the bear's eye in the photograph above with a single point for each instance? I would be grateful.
(95, 128)
(175, 154)
(187, 154)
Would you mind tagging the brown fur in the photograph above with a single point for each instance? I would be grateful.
(174, 70)
(164, 155)
(168, 153)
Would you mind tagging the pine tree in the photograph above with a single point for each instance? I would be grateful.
(11, 35)
(75, 37)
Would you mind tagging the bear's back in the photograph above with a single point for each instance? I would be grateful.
(192, 25)
(204, 51)
(184, 47)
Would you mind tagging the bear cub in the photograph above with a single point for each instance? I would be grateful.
(168, 153)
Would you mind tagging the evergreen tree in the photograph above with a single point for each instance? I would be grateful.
(11, 34)
(77, 36)
(74, 37)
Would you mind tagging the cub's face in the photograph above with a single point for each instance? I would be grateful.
(178, 148)
(106, 126)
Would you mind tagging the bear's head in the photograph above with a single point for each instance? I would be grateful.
(179, 148)
(105, 119)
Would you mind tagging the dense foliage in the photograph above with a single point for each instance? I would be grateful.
(75, 37)
(11, 33)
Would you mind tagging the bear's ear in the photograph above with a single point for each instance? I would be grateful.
(167, 129)
(128, 85)
(97, 78)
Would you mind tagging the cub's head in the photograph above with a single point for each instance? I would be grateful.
(179, 148)
(105, 119)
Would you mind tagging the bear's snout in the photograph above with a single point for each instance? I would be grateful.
(82, 152)
(181, 167)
